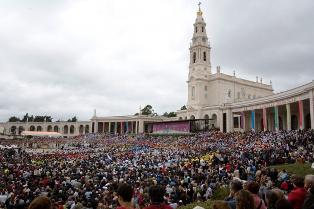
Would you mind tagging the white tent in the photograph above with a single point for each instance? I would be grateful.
(40, 133)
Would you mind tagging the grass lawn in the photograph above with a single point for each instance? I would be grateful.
(296, 168)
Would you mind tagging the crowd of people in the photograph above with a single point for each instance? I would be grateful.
(108, 172)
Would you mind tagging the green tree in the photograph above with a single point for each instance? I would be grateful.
(14, 119)
(148, 110)
(48, 118)
(39, 118)
(25, 117)
(172, 114)
(74, 119)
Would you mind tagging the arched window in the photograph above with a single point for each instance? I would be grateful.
(194, 57)
(193, 92)
(202, 28)
(195, 29)
(204, 56)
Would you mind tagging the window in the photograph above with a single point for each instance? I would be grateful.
(202, 28)
(229, 93)
(193, 92)
(195, 29)
(254, 96)
(205, 88)
(194, 57)
(249, 96)
(204, 56)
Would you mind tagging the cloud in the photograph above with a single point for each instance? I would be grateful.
(65, 58)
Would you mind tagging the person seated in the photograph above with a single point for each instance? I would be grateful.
(125, 194)
(297, 196)
(253, 187)
(309, 199)
(235, 187)
(272, 196)
(40, 202)
(156, 194)
(283, 204)
(244, 200)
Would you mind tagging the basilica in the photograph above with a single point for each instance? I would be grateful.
(225, 102)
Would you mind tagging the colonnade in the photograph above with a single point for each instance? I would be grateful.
(298, 114)
(117, 127)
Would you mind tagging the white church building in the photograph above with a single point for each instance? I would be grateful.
(231, 103)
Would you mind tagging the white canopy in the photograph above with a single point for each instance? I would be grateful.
(40, 133)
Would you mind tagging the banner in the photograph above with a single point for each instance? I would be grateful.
(253, 119)
(172, 127)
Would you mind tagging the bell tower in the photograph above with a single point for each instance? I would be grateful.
(199, 67)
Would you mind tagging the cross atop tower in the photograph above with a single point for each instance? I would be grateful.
(199, 13)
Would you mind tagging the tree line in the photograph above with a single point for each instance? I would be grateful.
(148, 110)
(37, 118)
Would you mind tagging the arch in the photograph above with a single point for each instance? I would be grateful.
(180, 118)
(81, 129)
(66, 129)
(192, 117)
(294, 122)
(56, 129)
(206, 117)
(21, 129)
(32, 128)
(2, 130)
(39, 128)
(86, 129)
(13, 129)
(194, 57)
(49, 128)
(72, 129)
(214, 120)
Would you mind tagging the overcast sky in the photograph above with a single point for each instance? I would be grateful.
(64, 58)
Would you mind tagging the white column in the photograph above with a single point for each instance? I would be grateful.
(136, 127)
(109, 129)
(221, 121)
(95, 127)
(288, 117)
(115, 127)
(229, 121)
(141, 126)
(312, 108)
(243, 121)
